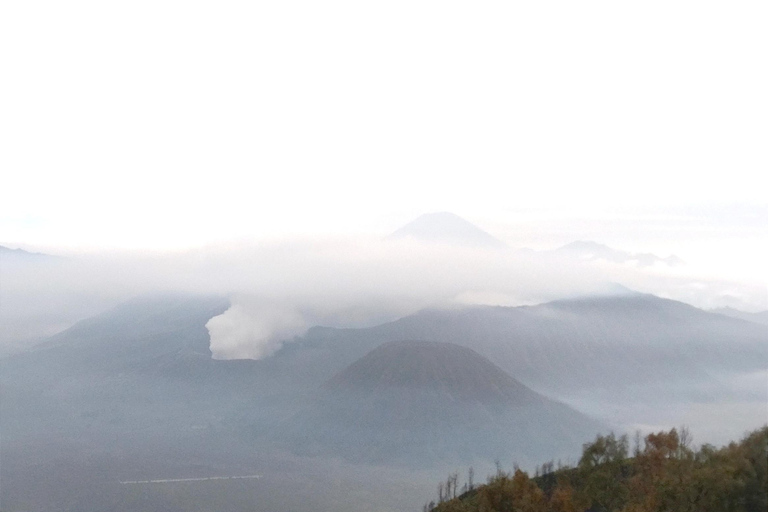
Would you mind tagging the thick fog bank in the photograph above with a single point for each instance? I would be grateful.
(280, 288)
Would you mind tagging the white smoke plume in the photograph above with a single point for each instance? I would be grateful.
(252, 329)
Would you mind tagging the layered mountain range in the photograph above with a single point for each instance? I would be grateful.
(564, 347)
(593, 353)
(476, 384)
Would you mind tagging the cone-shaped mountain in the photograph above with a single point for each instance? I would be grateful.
(419, 402)
(458, 373)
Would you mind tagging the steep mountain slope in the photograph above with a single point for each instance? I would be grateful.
(421, 402)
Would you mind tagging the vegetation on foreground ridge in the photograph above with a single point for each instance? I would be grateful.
(665, 475)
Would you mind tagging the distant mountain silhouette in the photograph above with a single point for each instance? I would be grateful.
(588, 250)
(420, 402)
(19, 255)
(761, 317)
(447, 228)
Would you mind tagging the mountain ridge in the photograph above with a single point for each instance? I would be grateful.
(591, 250)
(760, 317)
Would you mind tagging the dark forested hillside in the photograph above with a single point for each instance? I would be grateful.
(664, 474)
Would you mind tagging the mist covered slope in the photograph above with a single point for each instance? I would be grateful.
(578, 343)
(760, 317)
(421, 403)
(603, 355)
(29, 310)
(632, 359)
(136, 331)
(589, 250)
(134, 393)
(141, 370)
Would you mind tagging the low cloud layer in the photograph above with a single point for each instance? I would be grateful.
(279, 289)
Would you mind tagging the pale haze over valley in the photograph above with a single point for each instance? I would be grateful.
(227, 229)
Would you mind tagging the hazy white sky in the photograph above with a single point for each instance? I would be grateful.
(157, 124)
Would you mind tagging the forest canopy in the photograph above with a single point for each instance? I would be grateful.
(661, 473)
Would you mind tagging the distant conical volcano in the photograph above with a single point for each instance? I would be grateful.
(421, 402)
(448, 228)
(458, 373)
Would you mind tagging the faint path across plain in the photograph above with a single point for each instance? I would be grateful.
(201, 479)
